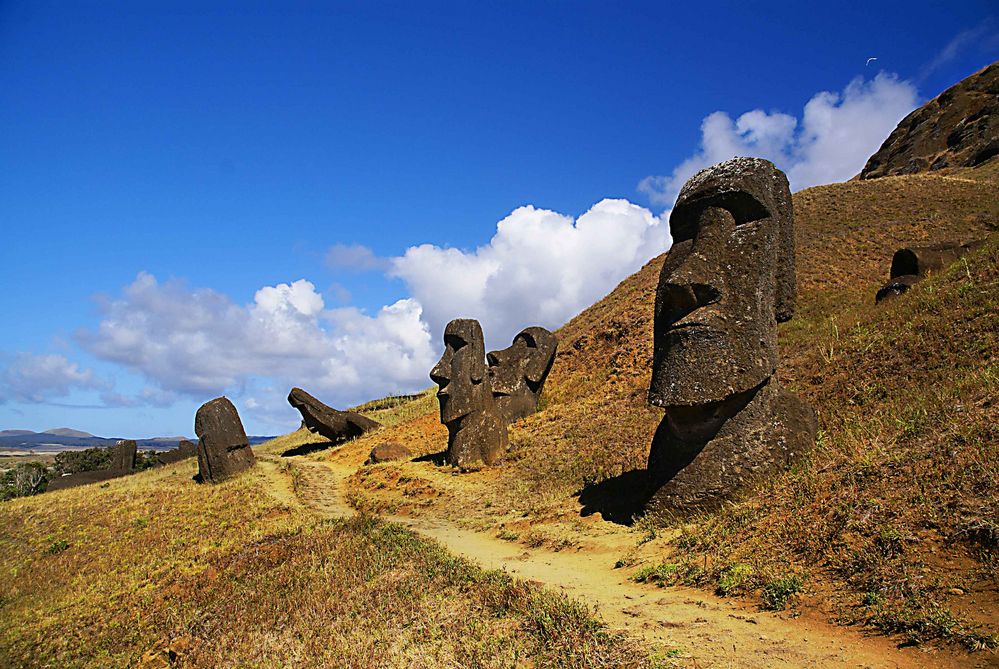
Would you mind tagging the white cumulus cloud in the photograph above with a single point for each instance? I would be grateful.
(32, 378)
(540, 268)
(833, 139)
(201, 344)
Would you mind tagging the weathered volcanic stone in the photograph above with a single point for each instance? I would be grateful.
(185, 449)
(476, 432)
(911, 265)
(725, 284)
(517, 373)
(223, 449)
(123, 456)
(388, 452)
(327, 421)
(958, 128)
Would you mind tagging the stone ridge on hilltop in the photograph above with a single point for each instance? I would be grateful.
(958, 128)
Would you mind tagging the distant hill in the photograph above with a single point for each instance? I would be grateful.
(68, 432)
(65, 439)
(958, 128)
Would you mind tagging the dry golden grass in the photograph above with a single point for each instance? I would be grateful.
(154, 570)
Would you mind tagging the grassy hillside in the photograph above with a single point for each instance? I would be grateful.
(906, 459)
(154, 570)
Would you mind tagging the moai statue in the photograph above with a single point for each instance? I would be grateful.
(123, 456)
(223, 449)
(726, 283)
(327, 421)
(476, 432)
(518, 373)
(911, 265)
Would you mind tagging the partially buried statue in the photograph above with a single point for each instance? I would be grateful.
(518, 373)
(476, 432)
(321, 419)
(223, 449)
(725, 284)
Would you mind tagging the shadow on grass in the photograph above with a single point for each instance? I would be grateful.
(619, 499)
(311, 447)
(439, 459)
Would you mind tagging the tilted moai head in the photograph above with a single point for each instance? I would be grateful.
(476, 434)
(726, 283)
(517, 373)
(325, 420)
(223, 449)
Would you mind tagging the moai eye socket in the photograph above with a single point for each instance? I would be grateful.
(454, 342)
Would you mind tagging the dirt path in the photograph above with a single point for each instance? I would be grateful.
(709, 632)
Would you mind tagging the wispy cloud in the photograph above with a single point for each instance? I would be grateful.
(984, 36)
(354, 258)
(37, 379)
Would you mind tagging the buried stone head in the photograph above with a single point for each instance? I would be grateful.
(725, 284)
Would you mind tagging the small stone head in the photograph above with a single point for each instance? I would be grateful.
(725, 284)
(461, 371)
(517, 373)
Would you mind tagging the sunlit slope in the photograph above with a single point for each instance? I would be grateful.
(154, 570)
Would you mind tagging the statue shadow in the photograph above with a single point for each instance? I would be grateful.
(439, 459)
(310, 447)
(620, 499)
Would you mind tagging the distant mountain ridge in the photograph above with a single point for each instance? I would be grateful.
(64, 438)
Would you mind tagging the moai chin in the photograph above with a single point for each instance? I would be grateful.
(223, 449)
(726, 283)
(517, 373)
(476, 433)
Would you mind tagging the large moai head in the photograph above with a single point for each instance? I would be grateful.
(461, 371)
(223, 449)
(476, 434)
(518, 372)
(726, 282)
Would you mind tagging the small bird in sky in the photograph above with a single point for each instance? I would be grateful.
(870, 60)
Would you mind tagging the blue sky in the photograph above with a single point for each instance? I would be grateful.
(171, 170)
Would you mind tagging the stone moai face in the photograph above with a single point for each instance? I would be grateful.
(518, 372)
(461, 371)
(223, 449)
(476, 434)
(123, 455)
(725, 284)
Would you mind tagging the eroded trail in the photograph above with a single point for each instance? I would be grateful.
(709, 632)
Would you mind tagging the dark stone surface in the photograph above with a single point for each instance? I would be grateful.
(912, 264)
(185, 449)
(388, 452)
(517, 373)
(83, 478)
(123, 456)
(321, 419)
(896, 287)
(476, 432)
(725, 284)
(958, 128)
(223, 449)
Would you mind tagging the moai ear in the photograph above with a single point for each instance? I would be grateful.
(542, 345)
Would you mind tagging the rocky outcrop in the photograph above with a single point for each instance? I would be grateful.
(958, 128)
(321, 419)
(911, 265)
(387, 452)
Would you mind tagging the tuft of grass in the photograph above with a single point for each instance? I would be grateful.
(777, 592)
